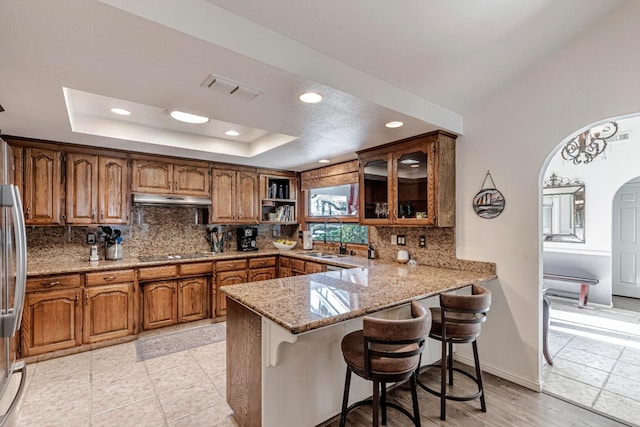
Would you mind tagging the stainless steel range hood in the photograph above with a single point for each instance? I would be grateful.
(170, 200)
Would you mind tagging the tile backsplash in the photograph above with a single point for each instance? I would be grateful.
(440, 250)
(153, 231)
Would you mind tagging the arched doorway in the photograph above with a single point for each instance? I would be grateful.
(593, 351)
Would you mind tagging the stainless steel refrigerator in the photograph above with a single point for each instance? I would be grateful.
(13, 275)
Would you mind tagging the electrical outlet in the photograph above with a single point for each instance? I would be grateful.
(402, 240)
(91, 238)
(394, 239)
(423, 241)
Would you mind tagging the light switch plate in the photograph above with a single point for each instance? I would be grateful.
(394, 239)
(402, 240)
(91, 238)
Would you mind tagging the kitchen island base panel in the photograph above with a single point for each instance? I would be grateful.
(243, 374)
(303, 384)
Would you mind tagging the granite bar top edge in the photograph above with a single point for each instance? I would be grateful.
(297, 281)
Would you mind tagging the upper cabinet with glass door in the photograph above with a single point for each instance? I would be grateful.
(409, 182)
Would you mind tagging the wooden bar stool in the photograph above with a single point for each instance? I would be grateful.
(386, 351)
(458, 321)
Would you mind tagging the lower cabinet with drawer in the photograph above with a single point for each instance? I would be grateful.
(52, 316)
(182, 295)
(228, 273)
(109, 305)
(263, 268)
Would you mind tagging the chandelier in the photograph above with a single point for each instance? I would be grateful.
(589, 144)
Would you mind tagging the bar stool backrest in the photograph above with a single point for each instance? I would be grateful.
(462, 315)
(394, 346)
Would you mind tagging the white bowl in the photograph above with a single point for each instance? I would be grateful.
(285, 247)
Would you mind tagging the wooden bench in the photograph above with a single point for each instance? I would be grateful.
(572, 275)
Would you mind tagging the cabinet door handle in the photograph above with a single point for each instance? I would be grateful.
(76, 300)
(86, 299)
(101, 213)
(109, 278)
(50, 284)
(28, 212)
(93, 214)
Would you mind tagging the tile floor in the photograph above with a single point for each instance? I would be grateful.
(596, 358)
(108, 387)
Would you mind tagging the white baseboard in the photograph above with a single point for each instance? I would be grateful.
(494, 370)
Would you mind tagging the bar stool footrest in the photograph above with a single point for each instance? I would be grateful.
(448, 396)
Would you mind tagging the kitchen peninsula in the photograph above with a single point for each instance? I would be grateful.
(284, 363)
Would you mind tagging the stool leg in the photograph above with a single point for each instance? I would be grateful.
(450, 362)
(483, 405)
(345, 398)
(383, 403)
(443, 381)
(414, 398)
(376, 402)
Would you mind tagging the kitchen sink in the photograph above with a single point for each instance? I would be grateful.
(323, 255)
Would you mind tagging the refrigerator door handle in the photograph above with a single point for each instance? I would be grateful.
(10, 197)
(18, 367)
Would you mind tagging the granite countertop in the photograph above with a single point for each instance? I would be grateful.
(47, 266)
(304, 303)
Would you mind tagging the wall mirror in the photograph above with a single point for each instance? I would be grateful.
(563, 210)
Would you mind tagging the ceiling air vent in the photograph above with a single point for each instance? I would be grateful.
(229, 87)
(622, 136)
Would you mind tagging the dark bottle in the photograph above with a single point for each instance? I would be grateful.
(371, 253)
(281, 192)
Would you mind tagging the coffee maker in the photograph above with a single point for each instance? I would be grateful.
(247, 238)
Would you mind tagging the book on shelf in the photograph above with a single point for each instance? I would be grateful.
(285, 213)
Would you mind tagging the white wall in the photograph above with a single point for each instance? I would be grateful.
(512, 134)
(603, 178)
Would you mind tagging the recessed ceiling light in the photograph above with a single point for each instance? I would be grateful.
(231, 132)
(311, 97)
(409, 161)
(188, 117)
(394, 124)
(120, 111)
(324, 161)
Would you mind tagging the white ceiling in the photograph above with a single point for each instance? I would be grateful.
(425, 63)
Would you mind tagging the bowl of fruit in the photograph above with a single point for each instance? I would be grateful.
(284, 244)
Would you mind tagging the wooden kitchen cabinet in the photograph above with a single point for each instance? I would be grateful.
(96, 189)
(262, 268)
(160, 305)
(18, 164)
(108, 312)
(409, 182)
(228, 273)
(168, 178)
(192, 299)
(51, 320)
(314, 267)
(284, 266)
(181, 299)
(42, 185)
(234, 197)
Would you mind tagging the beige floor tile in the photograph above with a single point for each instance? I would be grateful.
(188, 400)
(626, 386)
(626, 369)
(179, 376)
(64, 367)
(110, 393)
(43, 391)
(591, 360)
(620, 407)
(119, 357)
(72, 412)
(170, 361)
(144, 413)
(630, 355)
(570, 389)
(594, 346)
(578, 372)
(215, 416)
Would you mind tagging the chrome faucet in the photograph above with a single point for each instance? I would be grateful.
(343, 249)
